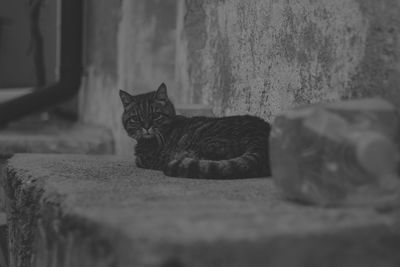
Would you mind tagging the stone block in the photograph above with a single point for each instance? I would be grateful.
(79, 210)
(338, 153)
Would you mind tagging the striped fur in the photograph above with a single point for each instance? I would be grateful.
(198, 147)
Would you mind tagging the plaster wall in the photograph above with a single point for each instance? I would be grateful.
(264, 56)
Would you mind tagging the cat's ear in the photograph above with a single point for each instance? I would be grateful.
(126, 98)
(161, 93)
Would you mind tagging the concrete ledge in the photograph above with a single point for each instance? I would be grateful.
(32, 135)
(77, 210)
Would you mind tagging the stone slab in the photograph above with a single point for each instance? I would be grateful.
(79, 210)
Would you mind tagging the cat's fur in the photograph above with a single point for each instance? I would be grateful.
(197, 147)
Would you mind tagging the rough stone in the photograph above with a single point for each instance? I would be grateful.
(338, 153)
(32, 135)
(77, 210)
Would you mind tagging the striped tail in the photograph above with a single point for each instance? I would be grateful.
(249, 165)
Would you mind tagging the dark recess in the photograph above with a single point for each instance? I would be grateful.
(70, 69)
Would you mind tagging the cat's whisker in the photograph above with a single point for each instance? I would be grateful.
(159, 136)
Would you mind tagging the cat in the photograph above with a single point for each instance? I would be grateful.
(198, 147)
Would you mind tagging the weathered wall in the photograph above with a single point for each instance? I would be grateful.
(257, 56)
(264, 56)
(130, 45)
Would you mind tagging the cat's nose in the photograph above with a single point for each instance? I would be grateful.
(147, 131)
(146, 126)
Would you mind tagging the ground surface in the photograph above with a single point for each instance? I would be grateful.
(104, 211)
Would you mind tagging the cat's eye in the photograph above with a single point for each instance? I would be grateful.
(133, 119)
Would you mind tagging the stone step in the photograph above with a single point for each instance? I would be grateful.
(80, 210)
(34, 135)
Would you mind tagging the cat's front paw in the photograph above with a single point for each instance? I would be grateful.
(139, 162)
(185, 168)
(171, 169)
(145, 164)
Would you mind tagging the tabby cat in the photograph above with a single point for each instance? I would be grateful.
(198, 147)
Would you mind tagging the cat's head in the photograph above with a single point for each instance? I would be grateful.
(146, 114)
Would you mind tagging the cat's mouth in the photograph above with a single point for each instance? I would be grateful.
(138, 136)
(147, 136)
